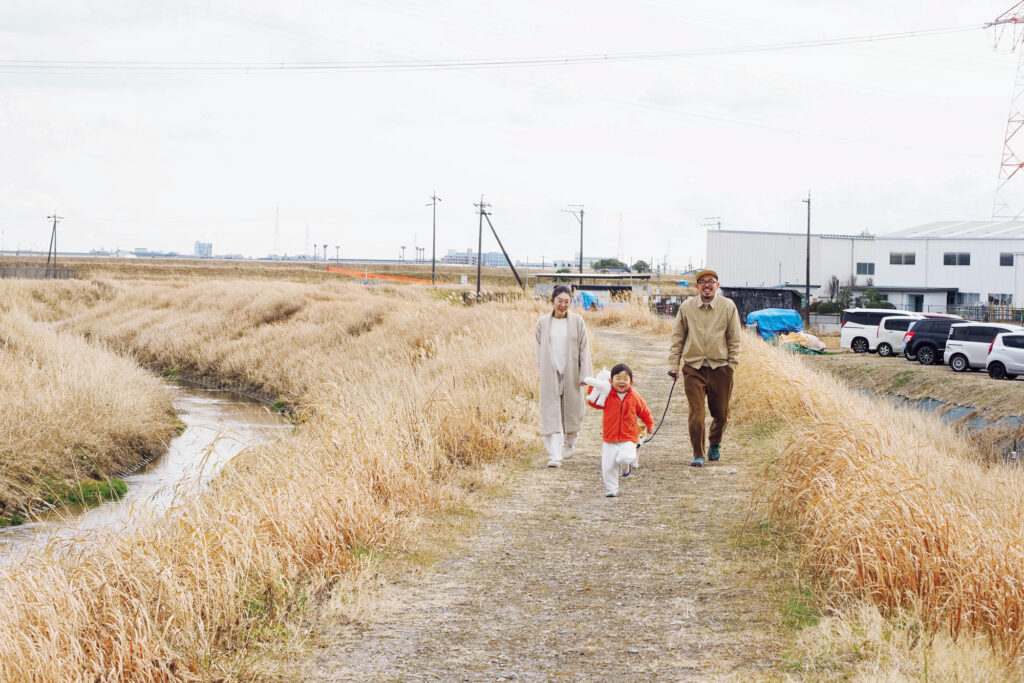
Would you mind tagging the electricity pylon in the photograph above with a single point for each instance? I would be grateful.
(1008, 203)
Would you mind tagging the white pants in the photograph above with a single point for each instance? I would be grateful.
(553, 444)
(613, 457)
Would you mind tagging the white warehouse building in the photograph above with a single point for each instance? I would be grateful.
(926, 268)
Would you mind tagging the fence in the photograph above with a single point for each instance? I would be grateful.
(37, 272)
(989, 313)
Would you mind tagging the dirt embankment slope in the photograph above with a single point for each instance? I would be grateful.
(978, 403)
(670, 581)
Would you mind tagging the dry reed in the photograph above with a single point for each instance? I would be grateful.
(399, 394)
(70, 410)
(632, 314)
(890, 505)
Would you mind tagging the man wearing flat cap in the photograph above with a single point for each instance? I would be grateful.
(706, 348)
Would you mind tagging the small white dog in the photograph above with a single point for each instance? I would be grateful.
(600, 387)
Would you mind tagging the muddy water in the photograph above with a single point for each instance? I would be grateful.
(218, 426)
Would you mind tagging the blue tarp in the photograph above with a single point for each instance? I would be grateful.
(587, 300)
(772, 322)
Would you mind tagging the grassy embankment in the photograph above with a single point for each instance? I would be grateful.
(73, 415)
(404, 402)
(182, 269)
(895, 516)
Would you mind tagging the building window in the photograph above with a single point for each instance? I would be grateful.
(1000, 299)
(1006, 259)
(901, 258)
(967, 298)
(956, 258)
(865, 269)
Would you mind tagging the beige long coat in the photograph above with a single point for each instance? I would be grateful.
(561, 398)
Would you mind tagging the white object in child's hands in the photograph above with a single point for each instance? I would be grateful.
(600, 387)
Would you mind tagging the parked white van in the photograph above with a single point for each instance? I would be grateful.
(889, 335)
(1006, 356)
(860, 326)
(968, 344)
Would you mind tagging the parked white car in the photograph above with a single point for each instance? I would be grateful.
(968, 344)
(888, 339)
(860, 326)
(1006, 356)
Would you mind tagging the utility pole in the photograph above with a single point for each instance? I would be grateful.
(52, 253)
(325, 253)
(807, 281)
(577, 211)
(504, 253)
(434, 199)
(480, 243)
(337, 250)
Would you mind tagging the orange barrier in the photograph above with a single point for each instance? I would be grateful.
(375, 276)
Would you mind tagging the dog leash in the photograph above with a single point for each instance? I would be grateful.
(674, 376)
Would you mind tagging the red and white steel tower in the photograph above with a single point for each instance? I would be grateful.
(1009, 201)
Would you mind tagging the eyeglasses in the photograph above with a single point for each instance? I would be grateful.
(706, 282)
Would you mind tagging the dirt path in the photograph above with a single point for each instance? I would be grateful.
(558, 582)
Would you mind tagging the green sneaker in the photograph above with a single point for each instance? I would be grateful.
(698, 461)
(714, 452)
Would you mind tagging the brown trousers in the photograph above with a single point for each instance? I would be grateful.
(716, 385)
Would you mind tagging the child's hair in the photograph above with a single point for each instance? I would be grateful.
(622, 367)
(561, 289)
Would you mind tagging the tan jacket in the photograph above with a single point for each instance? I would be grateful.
(706, 335)
(553, 386)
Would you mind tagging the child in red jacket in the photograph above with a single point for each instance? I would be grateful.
(622, 409)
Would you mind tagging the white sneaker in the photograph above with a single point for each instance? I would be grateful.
(554, 463)
(568, 452)
(611, 494)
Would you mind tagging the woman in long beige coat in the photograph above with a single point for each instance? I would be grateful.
(563, 361)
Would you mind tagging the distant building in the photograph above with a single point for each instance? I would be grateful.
(933, 267)
(468, 258)
(204, 249)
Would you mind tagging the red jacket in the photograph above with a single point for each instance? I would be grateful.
(621, 415)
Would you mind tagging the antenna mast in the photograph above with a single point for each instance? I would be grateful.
(1010, 185)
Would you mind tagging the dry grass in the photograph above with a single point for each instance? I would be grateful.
(401, 397)
(71, 410)
(292, 271)
(859, 643)
(891, 506)
(632, 314)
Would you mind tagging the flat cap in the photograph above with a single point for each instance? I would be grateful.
(704, 273)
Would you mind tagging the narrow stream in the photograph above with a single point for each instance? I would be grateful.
(218, 426)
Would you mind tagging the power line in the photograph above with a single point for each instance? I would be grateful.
(207, 67)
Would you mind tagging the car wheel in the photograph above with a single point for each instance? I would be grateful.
(884, 350)
(859, 345)
(996, 370)
(959, 363)
(909, 356)
(926, 355)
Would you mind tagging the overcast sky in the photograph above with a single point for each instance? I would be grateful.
(885, 134)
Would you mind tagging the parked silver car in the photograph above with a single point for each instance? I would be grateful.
(968, 344)
(888, 339)
(1006, 356)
